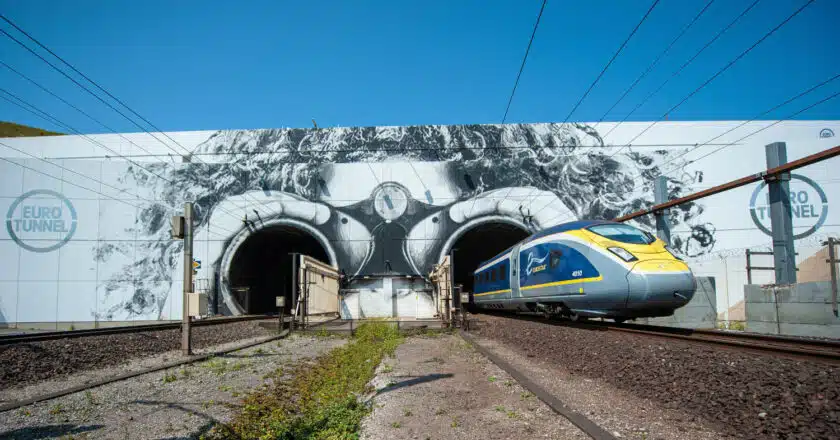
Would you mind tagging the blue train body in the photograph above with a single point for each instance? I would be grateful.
(586, 269)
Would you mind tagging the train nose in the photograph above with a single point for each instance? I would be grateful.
(660, 284)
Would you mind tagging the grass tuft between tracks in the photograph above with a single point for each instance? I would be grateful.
(320, 401)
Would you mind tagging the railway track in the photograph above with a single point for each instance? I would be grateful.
(46, 336)
(804, 348)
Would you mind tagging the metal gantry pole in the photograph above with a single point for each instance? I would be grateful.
(780, 216)
(833, 270)
(660, 196)
(293, 315)
(749, 267)
(186, 346)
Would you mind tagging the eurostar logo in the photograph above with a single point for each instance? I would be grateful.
(535, 264)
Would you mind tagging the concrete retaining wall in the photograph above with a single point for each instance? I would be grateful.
(802, 309)
(700, 312)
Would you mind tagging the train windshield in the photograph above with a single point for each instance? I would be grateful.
(623, 233)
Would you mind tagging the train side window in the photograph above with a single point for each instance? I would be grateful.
(555, 259)
(503, 272)
(475, 277)
(493, 275)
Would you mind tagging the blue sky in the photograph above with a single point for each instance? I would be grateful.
(194, 65)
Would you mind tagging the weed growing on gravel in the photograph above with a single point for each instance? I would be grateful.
(56, 409)
(454, 423)
(25, 413)
(186, 373)
(89, 398)
(169, 377)
(396, 425)
(321, 401)
(512, 415)
(440, 412)
(525, 395)
(259, 351)
(492, 378)
(508, 383)
(225, 388)
(500, 408)
(407, 412)
(387, 368)
(322, 333)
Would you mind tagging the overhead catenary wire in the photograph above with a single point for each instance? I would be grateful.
(71, 105)
(718, 73)
(738, 141)
(95, 84)
(753, 133)
(764, 113)
(617, 53)
(598, 78)
(405, 150)
(524, 58)
(20, 43)
(79, 186)
(790, 116)
(42, 114)
(655, 61)
(684, 65)
(99, 98)
(29, 107)
(93, 179)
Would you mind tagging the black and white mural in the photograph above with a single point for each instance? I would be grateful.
(382, 202)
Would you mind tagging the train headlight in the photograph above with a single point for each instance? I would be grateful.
(623, 254)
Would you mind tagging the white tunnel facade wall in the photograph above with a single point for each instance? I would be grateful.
(86, 234)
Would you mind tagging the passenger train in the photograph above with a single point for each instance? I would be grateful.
(586, 269)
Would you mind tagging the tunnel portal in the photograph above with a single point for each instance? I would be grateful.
(263, 264)
(479, 244)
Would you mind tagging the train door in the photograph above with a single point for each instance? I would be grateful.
(514, 272)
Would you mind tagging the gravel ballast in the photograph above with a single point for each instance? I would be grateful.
(744, 394)
(179, 403)
(27, 363)
(439, 388)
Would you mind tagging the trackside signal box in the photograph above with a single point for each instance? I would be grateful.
(178, 226)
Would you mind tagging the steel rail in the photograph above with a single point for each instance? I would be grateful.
(68, 334)
(824, 350)
(821, 349)
(165, 366)
(769, 174)
(583, 423)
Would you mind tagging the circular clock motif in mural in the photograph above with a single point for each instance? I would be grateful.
(390, 200)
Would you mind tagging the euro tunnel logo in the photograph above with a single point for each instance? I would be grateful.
(41, 220)
(808, 205)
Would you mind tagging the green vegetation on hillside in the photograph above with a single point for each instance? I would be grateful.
(10, 129)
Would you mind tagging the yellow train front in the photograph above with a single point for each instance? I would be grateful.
(586, 269)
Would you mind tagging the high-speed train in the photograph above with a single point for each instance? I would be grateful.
(586, 269)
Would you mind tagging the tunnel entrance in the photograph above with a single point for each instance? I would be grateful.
(263, 264)
(479, 244)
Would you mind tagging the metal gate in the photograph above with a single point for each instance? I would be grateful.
(317, 292)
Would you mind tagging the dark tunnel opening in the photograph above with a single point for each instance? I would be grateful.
(263, 263)
(479, 244)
